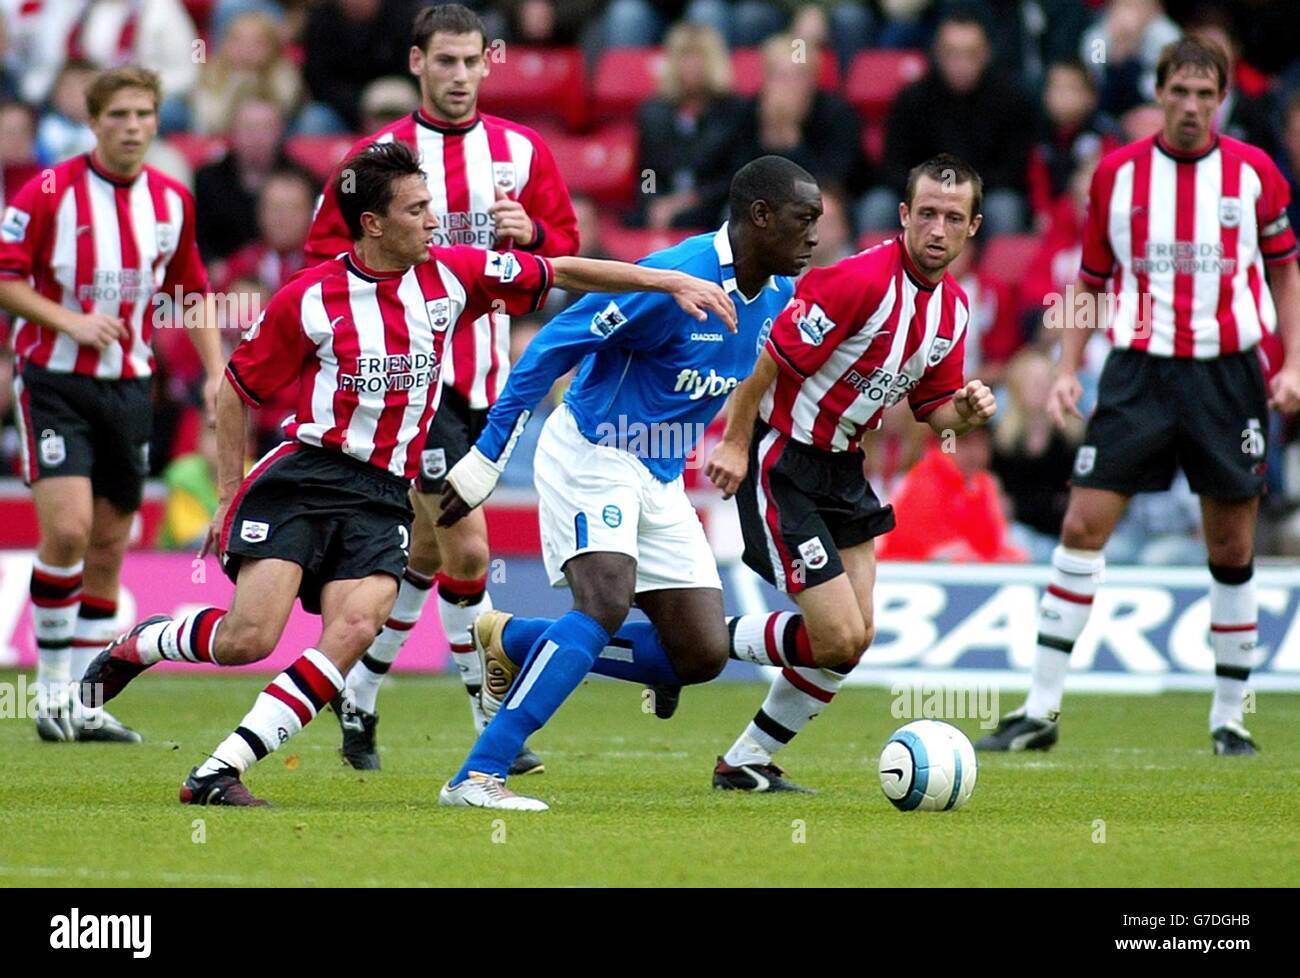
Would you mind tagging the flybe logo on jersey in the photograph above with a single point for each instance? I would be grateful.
(880, 386)
(698, 385)
(475, 228)
(401, 372)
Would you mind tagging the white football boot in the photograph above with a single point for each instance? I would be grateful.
(485, 791)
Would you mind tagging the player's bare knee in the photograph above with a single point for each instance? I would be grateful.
(868, 636)
(704, 658)
(240, 642)
(67, 541)
(354, 631)
(1078, 532)
(842, 647)
(470, 560)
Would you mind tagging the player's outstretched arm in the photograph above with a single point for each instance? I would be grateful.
(88, 329)
(232, 438)
(970, 407)
(1284, 283)
(696, 297)
(729, 462)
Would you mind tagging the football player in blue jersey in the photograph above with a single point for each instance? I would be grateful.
(616, 523)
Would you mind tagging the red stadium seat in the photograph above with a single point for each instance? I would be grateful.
(631, 244)
(197, 150)
(1008, 256)
(319, 154)
(873, 142)
(747, 71)
(533, 81)
(601, 165)
(875, 78)
(625, 77)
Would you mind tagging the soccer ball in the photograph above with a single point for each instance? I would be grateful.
(928, 766)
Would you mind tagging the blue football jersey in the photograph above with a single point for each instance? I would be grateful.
(651, 377)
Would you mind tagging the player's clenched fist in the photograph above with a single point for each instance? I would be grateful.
(727, 467)
(975, 403)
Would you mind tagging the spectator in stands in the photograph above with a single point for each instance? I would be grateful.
(1032, 457)
(64, 128)
(291, 15)
(111, 33)
(1240, 116)
(949, 508)
(1056, 263)
(835, 25)
(1289, 155)
(226, 190)
(350, 43)
(17, 148)
(891, 450)
(385, 100)
(12, 64)
(1071, 130)
(191, 481)
(993, 333)
(962, 106)
(688, 133)
(1122, 48)
(834, 231)
(906, 23)
(249, 60)
(284, 213)
(543, 23)
(1031, 35)
(741, 23)
(792, 117)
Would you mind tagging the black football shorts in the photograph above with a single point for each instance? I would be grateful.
(453, 430)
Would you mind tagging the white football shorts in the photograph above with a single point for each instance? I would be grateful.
(599, 498)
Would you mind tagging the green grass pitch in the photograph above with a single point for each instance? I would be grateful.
(631, 802)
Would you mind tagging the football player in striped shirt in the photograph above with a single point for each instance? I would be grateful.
(1184, 225)
(325, 518)
(496, 185)
(885, 325)
(85, 249)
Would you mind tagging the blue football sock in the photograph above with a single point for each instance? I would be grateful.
(636, 654)
(560, 660)
(521, 634)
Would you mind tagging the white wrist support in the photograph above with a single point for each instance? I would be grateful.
(474, 477)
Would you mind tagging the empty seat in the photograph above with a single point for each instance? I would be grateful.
(875, 78)
(532, 81)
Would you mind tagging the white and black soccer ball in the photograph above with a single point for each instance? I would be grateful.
(928, 766)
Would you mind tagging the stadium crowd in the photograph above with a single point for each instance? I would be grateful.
(649, 108)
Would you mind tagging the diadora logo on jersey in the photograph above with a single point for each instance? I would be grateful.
(13, 228)
(439, 313)
(938, 350)
(608, 320)
(502, 265)
(814, 325)
(399, 372)
(881, 386)
(707, 337)
(254, 531)
(699, 385)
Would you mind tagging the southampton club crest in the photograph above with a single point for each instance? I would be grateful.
(503, 175)
(439, 312)
(1085, 460)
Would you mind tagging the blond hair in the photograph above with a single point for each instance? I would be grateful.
(685, 38)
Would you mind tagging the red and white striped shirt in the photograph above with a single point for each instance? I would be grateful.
(858, 337)
(369, 347)
(93, 242)
(1185, 239)
(464, 165)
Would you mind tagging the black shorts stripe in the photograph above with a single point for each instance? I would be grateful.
(773, 729)
(374, 665)
(1232, 672)
(295, 676)
(1052, 642)
(253, 741)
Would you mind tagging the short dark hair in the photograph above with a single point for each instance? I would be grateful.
(108, 83)
(770, 179)
(963, 15)
(450, 18)
(947, 168)
(1196, 52)
(365, 182)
